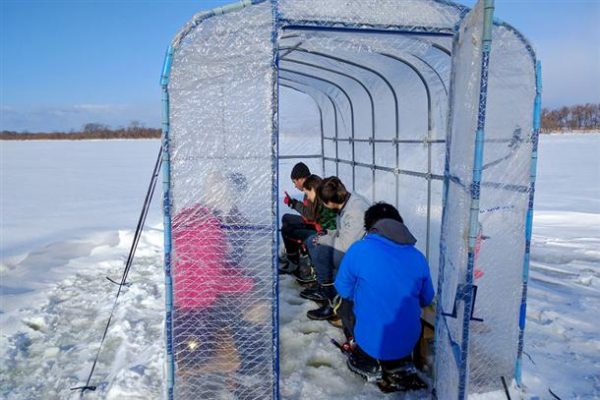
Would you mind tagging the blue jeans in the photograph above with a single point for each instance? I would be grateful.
(322, 259)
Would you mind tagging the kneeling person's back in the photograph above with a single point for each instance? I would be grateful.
(388, 280)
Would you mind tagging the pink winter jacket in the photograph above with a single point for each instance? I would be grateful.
(200, 269)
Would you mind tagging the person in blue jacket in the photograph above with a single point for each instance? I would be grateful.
(388, 281)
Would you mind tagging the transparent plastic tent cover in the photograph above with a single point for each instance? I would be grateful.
(410, 106)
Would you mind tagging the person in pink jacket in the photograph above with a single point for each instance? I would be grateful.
(202, 271)
(206, 284)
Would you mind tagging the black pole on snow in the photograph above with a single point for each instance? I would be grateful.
(130, 257)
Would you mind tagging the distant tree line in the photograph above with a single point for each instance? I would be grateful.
(135, 130)
(582, 117)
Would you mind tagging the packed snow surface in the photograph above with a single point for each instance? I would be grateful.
(68, 213)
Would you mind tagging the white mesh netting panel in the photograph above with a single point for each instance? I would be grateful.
(221, 107)
(503, 206)
(500, 245)
(427, 13)
(464, 100)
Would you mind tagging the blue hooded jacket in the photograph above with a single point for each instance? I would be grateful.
(388, 280)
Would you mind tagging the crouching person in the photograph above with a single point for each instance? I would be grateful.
(204, 285)
(326, 251)
(294, 225)
(388, 280)
(320, 218)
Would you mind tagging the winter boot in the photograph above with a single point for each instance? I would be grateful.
(326, 311)
(314, 294)
(305, 272)
(282, 254)
(364, 365)
(323, 313)
(400, 375)
(289, 265)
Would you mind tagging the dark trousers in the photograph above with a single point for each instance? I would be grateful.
(322, 258)
(294, 231)
(386, 365)
(346, 312)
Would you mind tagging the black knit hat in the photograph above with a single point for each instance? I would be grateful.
(300, 171)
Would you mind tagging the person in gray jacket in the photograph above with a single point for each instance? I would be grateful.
(326, 251)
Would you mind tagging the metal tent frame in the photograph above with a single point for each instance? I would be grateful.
(328, 80)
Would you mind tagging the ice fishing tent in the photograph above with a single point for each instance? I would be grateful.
(420, 103)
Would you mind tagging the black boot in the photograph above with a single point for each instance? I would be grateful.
(321, 314)
(326, 311)
(364, 365)
(252, 360)
(314, 294)
(286, 268)
(289, 265)
(305, 273)
(294, 258)
(400, 375)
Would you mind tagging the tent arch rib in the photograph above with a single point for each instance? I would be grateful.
(342, 90)
(372, 103)
(367, 91)
(321, 125)
(336, 112)
(397, 123)
(360, 66)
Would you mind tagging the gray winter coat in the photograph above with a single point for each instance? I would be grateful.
(350, 224)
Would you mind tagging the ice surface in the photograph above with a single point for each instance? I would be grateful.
(53, 319)
(562, 335)
(86, 186)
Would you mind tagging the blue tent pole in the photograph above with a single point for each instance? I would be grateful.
(537, 113)
(475, 195)
(164, 82)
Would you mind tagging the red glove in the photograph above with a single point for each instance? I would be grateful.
(288, 201)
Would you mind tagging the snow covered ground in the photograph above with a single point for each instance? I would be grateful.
(563, 323)
(68, 209)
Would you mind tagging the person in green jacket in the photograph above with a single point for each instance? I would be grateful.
(322, 217)
(315, 219)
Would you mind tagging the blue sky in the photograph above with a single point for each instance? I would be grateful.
(65, 63)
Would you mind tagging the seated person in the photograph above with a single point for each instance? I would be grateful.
(388, 281)
(326, 251)
(292, 222)
(212, 287)
(323, 220)
(233, 221)
(201, 277)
